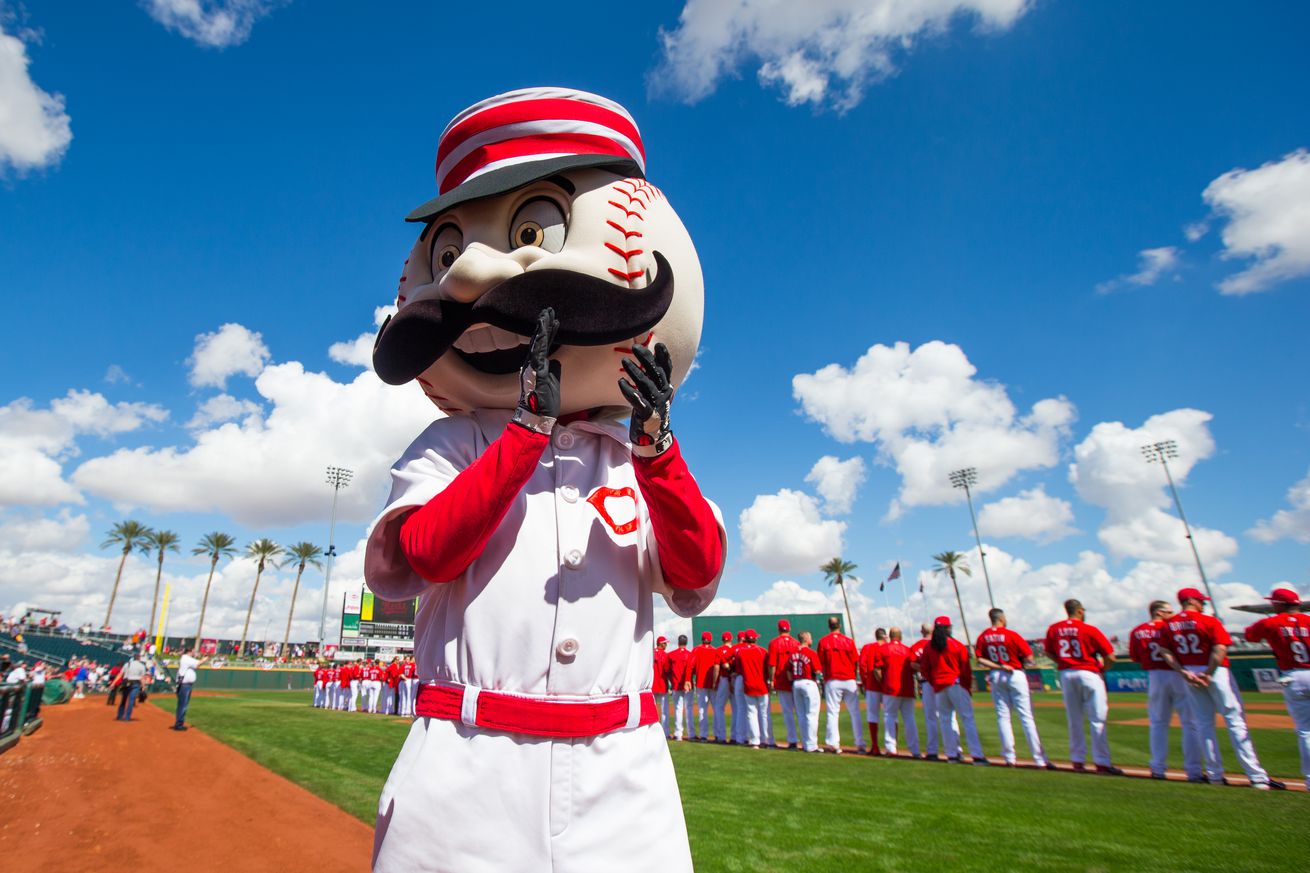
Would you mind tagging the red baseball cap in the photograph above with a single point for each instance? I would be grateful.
(1283, 595)
(943, 620)
(659, 640)
(706, 637)
(727, 636)
(741, 635)
(784, 625)
(1190, 594)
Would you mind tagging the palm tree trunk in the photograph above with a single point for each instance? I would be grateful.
(964, 622)
(204, 603)
(841, 583)
(154, 604)
(114, 595)
(241, 652)
(294, 591)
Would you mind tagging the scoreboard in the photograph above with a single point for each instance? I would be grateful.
(367, 620)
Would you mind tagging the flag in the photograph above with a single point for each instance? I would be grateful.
(920, 584)
(896, 574)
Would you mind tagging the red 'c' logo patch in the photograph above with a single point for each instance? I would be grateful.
(597, 499)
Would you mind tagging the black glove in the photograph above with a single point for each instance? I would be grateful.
(539, 379)
(650, 394)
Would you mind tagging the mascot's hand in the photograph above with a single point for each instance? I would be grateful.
(539, 379)
(650, 393)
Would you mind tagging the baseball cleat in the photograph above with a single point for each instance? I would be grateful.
(1271, 784)
(983, 762)
(1107, 770)
(933, 756)
(1158, 776)
(1079, 767)
(1050, 765)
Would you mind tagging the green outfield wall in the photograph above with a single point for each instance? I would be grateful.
(252, 679)
(766, 625)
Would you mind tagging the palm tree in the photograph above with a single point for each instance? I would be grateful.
(301, 554)
(128, 535)
(949, 563)
(837, 571)
(159, 541)
(263, 551)
(216, 545)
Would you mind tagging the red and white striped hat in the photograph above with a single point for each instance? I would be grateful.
(510, 140)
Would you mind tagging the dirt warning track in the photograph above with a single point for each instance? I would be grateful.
(89, 793)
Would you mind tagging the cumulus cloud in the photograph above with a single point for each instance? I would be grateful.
(210, 23)
(786, 533)
(837, 482)
(359, 351)
(1031, 514)
(116, 375)
(1292, 523)
(1152, 265)
(817, 53)
(34, 128)
(1268, 218)
(231, 350)
(36, 533)
(224, 407)
(928, 414)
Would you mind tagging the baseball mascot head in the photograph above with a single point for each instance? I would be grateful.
(544, 227)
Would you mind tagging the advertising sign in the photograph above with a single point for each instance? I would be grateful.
(209, 647)
(1266, 679)
(1127, 680)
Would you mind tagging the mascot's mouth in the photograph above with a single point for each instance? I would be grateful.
(591, 312)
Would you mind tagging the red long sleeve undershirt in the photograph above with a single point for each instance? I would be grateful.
(444, 536)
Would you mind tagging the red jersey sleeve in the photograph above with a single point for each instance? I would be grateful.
(1219, 635)
(1099, 644)
(1021, 646)
(686, 531)
(1258, 632)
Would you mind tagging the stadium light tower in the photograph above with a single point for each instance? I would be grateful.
(966, 478)
(1160, 453)
(338, 478)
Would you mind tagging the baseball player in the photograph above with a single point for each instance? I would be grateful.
(1199, 646)
(354, 674)
(320, 686)
(944, 664)
(376, 673)
(1004, 654)
(705, 678)
(870, 662)
(749, 663)
(780, 650)
(896, 676)
(838, 657)
(931, 715)
(723, 691)
(1166, 694)
(660, 681)
(739, 718)
(1287, 633)
(1082, 654)
(803, 671)
(408, 685)
(350, 683)
(680, 687)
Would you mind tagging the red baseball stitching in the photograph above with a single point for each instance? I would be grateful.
(639, 194)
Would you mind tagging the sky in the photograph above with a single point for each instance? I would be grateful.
(1024, 237)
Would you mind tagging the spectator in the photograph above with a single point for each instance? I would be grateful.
(129, 678)
(186, 678)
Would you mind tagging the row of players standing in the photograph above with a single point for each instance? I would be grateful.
(367, 686)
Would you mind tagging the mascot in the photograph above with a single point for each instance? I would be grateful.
(551, 307)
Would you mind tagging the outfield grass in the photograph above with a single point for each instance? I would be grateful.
(761, 810)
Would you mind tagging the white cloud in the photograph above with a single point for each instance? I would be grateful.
(210, 23)
(116, 375)
(785, 533)
(1268, 214)
(224, 407)
(837, 482)
(1152, 265)
(1031, 514)
(1293, 523)
(1196, 230)
(928, 414)
(34, 128)
(359, 351)
(818, 53)
(232, 349)
(36, 533)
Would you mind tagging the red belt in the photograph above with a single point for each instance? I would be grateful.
(537, 716)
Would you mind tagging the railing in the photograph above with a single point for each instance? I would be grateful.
(29, 655)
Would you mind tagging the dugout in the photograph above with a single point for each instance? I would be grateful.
(765, 625)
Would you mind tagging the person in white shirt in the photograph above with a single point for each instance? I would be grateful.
(186, 678)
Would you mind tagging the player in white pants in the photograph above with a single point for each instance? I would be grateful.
(1005, 654)
(1287, 632)
(356, 688)
(802, 666)
(704, 717)
(739, 717)
(836, 694)
(787, 701)
(756, 707)
(1166, 694)
(932, 720)
(1216, 697)
(1085, 698)
(951, 700)
(894, 710)
(681, 713)
(722, 693)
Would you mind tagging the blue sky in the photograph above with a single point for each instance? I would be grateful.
(1102, 210)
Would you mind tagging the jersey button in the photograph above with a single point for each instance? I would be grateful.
(569, 493)
(567, 648)
(564, 439)
(573, 559)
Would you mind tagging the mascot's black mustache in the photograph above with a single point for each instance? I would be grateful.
(591, 312)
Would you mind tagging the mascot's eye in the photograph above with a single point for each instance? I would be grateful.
(538, 223)
(446, 247)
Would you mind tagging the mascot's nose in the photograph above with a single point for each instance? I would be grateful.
(480, 268)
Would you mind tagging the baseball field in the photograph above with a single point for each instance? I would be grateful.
(775, 810)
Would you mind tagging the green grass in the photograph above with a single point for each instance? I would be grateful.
(762, 811)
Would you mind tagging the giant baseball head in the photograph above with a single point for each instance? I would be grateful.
(543, 202)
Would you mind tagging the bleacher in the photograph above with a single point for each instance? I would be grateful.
(59, 649)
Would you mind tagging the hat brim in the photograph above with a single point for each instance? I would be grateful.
(506, 179)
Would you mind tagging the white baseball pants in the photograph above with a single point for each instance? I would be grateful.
(757, 706)
(404, 690)
(681, 713)
(355, 689)
(373, 688)
(1218, 697)
(1167, 694)
(721, 694)
(318, 694)
(703, 708)
(838, 693)
(1010, 694)
(662, 707)
(1085, 698)
(788, 703)
(951, 700)
(894, 709)
(766, 721)
(805, 694)
(873, 714)
(932, 724)
(387, 698)
(738, 709)
(1296, 694)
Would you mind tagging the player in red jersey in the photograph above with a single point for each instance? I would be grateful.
(1166, 694)
(1287, 632)
(896, 675)
(930, 709)
(680, 687)
(723, 690)
(409, 679)
(1082, 654)
(839, 658)
(749, 663)
(780, 649)
(659, 685)
(320, 684)
(869, 664)
(1005, 654)
(1199, 646)
(944, 664)
(348, 680)
(803, 671)
(705, 678)
(739, 718)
